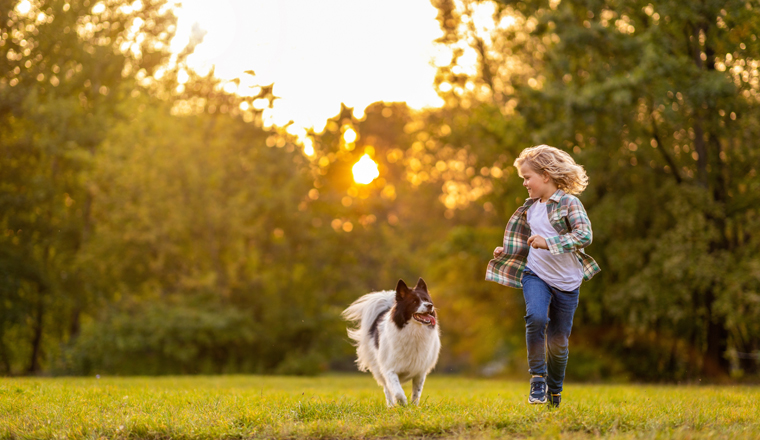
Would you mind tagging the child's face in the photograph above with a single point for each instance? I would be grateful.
(538, 185)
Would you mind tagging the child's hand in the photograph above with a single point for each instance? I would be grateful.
(537, 242)
(498, 251)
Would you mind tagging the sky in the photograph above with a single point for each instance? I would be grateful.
(319, 53)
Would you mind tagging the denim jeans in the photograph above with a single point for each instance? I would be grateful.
(548, 322)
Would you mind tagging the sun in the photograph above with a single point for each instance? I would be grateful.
(365, 170)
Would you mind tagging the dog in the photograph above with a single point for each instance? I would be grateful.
(398, 338)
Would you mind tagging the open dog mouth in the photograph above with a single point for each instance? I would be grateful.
(425, 318)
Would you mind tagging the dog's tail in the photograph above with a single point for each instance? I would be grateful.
(365, 310)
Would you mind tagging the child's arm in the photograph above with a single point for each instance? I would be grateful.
(579, 237)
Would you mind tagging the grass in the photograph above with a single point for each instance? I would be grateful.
(352, 406)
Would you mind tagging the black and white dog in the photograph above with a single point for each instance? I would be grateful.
(397, 339)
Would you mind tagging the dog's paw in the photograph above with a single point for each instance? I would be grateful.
(400, 399)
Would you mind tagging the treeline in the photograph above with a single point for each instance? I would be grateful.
(151, 223)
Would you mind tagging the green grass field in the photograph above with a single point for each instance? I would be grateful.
(353, 406)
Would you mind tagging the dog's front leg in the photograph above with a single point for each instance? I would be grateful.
(394, 385)
(388, 396)
(417, 383)
(386, 389)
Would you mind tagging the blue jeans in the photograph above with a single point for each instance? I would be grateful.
(548, 322)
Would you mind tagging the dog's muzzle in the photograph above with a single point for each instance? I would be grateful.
(426, 318)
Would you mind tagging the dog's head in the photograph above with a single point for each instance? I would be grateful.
(414, 305)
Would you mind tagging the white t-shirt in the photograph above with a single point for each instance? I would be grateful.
(562, 271)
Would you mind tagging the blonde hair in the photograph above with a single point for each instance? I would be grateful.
(560, 166)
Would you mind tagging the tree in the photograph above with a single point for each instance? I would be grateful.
(197, 216)
(65, 69)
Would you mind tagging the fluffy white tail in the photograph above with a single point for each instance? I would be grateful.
(365, 310)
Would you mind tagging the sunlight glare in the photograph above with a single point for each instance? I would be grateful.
(281, 42)
(507, 21)
(349, 136)
(308, 146)
(24, 6)
(365, 171)
(218, 18)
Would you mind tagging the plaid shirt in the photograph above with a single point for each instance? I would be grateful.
(571, 223)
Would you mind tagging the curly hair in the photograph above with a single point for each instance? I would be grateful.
(560, 166)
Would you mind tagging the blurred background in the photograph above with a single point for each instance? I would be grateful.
(202, 188)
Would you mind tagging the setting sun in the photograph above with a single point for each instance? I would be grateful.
(365, 171)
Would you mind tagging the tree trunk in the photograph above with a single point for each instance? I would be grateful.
(4, 361)
(34, 362)
(701, 150)
(75, 324)
(715, 365)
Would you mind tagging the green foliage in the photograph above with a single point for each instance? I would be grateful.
(161, 338)
(61, 79)
(353, 407)
(476, 311)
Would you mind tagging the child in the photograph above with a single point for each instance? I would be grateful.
(543, 254)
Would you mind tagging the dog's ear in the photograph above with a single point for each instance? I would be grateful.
(401, 290)
(421, 285)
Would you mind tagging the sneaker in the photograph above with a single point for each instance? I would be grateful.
(537, 390)
(554, 399)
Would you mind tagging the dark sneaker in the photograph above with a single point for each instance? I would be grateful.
(537, 390)
(554, 400)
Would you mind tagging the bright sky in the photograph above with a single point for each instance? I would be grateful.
(319, 53)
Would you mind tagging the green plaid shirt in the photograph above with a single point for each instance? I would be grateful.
(567, 216)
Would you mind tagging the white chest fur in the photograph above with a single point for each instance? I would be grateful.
(409, 351)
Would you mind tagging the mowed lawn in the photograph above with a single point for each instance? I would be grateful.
(352, 406)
